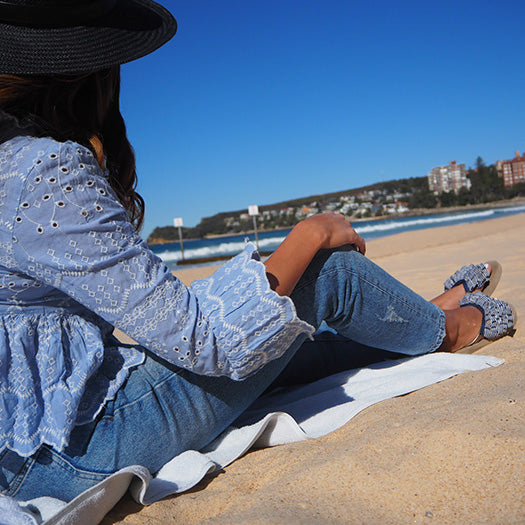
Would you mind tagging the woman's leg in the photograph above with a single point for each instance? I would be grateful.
(160, 412)
(163, 410)
(327, 354)
(364, 303)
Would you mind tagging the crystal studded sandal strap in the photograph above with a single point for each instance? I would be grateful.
(472, 277)
(498, 317)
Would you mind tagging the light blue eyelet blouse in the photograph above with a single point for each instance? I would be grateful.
(72, 267)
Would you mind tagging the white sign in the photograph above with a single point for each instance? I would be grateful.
(253, 209)
(177, 222)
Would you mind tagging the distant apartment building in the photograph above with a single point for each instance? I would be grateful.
(448, 178)
(512, 171)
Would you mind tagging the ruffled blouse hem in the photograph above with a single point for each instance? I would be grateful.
(251, 322)
(71, 359)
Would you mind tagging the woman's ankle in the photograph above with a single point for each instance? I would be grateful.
(449, 300)
(462, 327)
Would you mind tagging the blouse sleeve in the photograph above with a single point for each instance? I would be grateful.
(71, 233)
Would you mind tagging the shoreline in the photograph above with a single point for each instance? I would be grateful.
(416, 212)
(404, 243)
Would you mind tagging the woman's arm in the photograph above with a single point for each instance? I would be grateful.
(327, 230)
(71, 233)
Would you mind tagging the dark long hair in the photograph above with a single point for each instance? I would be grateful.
(83, 108)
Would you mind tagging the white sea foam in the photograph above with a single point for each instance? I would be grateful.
(204, 251)
(512, 209)
(421, 221)
(224, 248)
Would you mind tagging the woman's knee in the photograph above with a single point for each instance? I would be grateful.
(336, 260)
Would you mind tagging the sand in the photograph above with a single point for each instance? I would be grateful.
(453, 452)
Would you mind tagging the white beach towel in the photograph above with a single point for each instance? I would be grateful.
(286, 416)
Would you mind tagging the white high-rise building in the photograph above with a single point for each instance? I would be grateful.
(448, 178)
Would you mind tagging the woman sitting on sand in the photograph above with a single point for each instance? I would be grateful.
(76, 404)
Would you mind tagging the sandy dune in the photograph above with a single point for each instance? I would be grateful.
(453, 452)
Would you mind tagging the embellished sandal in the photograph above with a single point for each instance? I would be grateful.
(476, 277)
(499, 319)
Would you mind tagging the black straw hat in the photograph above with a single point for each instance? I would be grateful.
(46, 37)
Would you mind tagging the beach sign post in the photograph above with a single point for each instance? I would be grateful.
(253, 210)
(177, 222)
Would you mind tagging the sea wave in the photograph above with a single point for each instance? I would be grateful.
(511, 209)
(224, 248)
(420, 221)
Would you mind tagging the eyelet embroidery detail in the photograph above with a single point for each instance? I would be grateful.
(106, 293)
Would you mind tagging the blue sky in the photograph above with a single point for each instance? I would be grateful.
(258, 101)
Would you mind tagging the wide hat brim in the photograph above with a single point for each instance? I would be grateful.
(130, 30)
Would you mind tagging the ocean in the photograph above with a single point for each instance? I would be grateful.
(170, 253)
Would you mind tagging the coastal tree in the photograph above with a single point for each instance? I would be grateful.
(479, 163)
(448, 198)
(423, 199)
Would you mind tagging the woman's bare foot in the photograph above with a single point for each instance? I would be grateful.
(463, 325)
(479, 316)
(449, 300)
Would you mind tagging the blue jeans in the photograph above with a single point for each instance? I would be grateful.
(163, 410)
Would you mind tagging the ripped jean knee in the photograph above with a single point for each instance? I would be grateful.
(362, 302)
